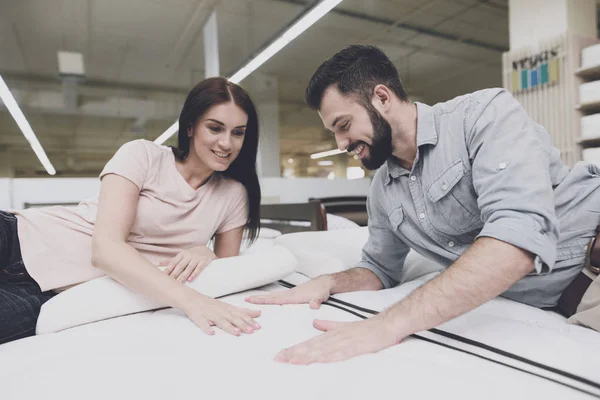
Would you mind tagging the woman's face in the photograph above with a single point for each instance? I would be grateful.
(218, 136)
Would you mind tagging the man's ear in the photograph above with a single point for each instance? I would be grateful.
(382, 98)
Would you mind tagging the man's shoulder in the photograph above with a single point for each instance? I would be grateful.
(480, 97)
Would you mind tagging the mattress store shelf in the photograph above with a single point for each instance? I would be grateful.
(591, 108)
(589, 142)
(592, 73)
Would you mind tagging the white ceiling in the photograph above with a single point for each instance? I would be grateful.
(142, 56)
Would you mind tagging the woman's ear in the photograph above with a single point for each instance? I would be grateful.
(189, 131)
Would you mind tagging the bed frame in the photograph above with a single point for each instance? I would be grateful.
(353, 208)
(293, 217)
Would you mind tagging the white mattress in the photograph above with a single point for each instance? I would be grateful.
(590, 56)
(590, 126)
(589, 92)
(163, 355)
(159, 355)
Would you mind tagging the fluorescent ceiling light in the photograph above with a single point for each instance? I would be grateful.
(17, 114)
(305, 22)
(168, 133)
(327, 153)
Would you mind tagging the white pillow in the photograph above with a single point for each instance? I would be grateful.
(328, 252)
(104, 298)
(336, 222)
(268, 233)
(325, 252)
(416, 266)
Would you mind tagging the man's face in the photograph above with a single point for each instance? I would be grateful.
(357, 129)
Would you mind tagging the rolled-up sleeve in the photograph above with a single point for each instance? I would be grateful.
(510, 158)
(384, 253)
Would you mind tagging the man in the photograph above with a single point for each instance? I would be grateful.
(472, 183)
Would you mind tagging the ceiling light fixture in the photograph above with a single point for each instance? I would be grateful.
(17, 114)
(305, 21)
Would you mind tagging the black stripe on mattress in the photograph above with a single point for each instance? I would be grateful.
(341, 305)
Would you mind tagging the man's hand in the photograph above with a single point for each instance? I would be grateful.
(313, 292)
(341, 341)
(488, 268)
(187, 264)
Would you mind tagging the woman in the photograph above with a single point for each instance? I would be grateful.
(157, 206)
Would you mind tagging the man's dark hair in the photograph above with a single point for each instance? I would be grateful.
(356, 70)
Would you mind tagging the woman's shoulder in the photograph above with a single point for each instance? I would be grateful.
(228, 187)
(151, 147)
(142, 147)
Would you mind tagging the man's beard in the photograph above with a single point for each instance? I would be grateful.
(380, 148)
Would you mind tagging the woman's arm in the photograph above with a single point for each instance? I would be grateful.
(227, 244)
(111, 253)
(117, 208)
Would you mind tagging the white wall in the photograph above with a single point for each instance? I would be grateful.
(16, 192)
(533, 21)
(53, 190)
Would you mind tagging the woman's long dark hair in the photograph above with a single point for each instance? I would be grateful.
(209, 93)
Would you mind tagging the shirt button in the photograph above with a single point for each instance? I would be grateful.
(444, 187)
(450, 244)
(422, 215)
(502, 165)
(413, 178)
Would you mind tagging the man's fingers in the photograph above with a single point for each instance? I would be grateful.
(283, 355)
(327, 325)
(315, 303)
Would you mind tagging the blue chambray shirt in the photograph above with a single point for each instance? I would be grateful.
(484, 168)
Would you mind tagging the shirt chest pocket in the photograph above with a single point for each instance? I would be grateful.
(454, 201)
(396, 217)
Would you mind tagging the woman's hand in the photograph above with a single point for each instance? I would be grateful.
(187, 264)
(206, 312)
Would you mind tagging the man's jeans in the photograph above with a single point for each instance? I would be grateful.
(20, 296)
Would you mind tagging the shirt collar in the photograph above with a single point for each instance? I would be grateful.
(426, 134)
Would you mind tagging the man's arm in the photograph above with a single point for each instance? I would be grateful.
(382, 260)
(353, 280)
(488, 268)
